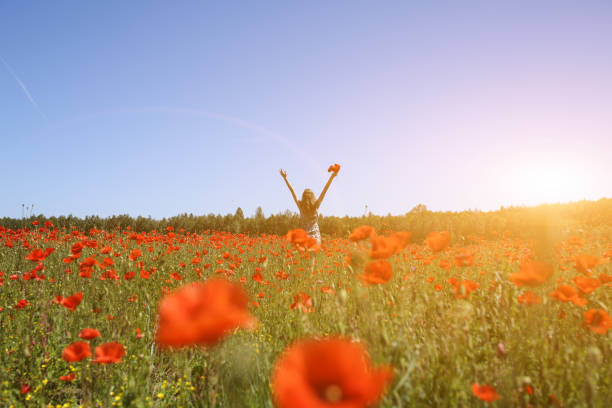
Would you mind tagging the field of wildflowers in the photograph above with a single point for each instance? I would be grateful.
(173, 318)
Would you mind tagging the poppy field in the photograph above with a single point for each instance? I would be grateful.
(373, 318)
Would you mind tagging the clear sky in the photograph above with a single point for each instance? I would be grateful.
(159, 108)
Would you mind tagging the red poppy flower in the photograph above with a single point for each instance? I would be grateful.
(605, 279)
(529, 298)
(77, 351)
(21, 304)
(445, 264)
(567, 293)
(384, 247)
(464, 259)
(402, 238)
(532, 273)
(68, 377)
(109, 353)
(281, 275)
(86, 267)
(302, 240)
(303, 302)
(597, 320)
(334, 167)
(297, 235)
(331, 372)
(88, 334)
(69, 259)
(377, 272)
(485, 392)
(38, 255)
(584, 263)
(361, 233)
(135, 254)
(586, 285)
(258, 277)
(437, 241)
(77, 248)
(202, 313)
(464, 288)
(73, 301)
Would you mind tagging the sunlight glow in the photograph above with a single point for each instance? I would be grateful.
(537, 182)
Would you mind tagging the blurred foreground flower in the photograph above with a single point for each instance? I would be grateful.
(437, 241)
(361, 233)
(331, 372)
(383, 247)
(377, 272)
(202, 313)
(532, 274)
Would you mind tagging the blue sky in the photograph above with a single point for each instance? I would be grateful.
(158, 108)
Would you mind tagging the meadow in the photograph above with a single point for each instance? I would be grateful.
(456, 321)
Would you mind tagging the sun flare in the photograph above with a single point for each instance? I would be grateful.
(541, 182)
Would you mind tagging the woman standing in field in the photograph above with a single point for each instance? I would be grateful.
(309, 205)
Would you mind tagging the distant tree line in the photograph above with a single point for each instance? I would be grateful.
(540, 222)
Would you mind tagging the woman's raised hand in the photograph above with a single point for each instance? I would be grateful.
(283, 173)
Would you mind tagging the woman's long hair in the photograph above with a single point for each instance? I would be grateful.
(308, 202)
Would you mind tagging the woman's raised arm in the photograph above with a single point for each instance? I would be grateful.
(283, 173)
(320, 200)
